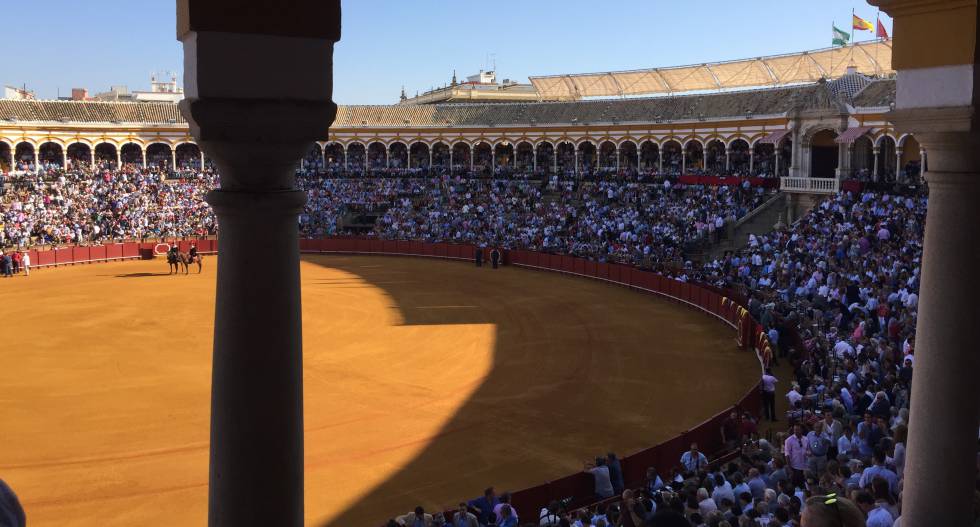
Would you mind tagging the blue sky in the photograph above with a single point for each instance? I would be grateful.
(418, 43)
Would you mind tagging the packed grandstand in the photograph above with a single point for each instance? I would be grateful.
(653, 183)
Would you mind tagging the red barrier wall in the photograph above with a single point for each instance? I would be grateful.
(113, 251)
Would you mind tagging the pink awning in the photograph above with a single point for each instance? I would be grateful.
(851, 134)
(775, 137)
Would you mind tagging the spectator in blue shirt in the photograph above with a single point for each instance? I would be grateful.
(693, 461)
(484, 506)
(879, 470)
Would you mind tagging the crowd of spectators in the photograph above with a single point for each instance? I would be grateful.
(836, 292)
(90, 205)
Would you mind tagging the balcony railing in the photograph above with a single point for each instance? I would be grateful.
(809, 185)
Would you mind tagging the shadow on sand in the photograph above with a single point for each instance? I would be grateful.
(579, 367)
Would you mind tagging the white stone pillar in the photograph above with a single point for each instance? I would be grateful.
(64, 157)
(554, 152)
(945, 395)
(776, 167)
(660, 160)
(577, 154)
(450, 159)
(617, 159)
(202, 157)
(874, 173)
(173, 159)
(728, 160)
(118, 157)
(430, 158)
(684, 161)
(898, 163)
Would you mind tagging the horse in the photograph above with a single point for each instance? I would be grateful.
(186, 259)
(173, 261)
(182, 260)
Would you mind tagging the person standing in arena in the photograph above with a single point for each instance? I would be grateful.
(478, 256)
(495, 257)
(25, 261)
(769, 395)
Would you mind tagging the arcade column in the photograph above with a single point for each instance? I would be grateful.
(254, 105)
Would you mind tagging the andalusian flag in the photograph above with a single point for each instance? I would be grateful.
(841, 38)
(861, 24)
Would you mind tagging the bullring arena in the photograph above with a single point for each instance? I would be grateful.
(424, 378)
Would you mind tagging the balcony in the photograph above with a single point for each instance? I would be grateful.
(809, 185)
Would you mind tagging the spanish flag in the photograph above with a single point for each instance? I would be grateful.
(861, 24)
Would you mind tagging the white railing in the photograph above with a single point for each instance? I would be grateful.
(811, 185)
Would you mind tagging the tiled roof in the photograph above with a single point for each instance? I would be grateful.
(774, 101)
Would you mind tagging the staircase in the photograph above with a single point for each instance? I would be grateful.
(761, 220)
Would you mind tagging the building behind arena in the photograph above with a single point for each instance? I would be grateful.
(811, 133)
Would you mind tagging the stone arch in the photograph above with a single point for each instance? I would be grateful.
(131, 153)
(887, 158)
(440, 154)
(355, 155)
(607, 155)
(52, 153)
(739, 156)
(25, 153)
(503, 155)
(911, 164)
(566, 156)
(377, 156)
(313, 158)
(106, 152)
(334, 154)
(482, 155)
(159, 154)
(188, 155)
(6, 156)
(524, 156)
(418, 154)
(462, 154)
(544, 152)
(398, 154)
(673, 156)
(588, 155)
(862, 156)
(693, 155)
(628, 154)
(79, 154)
(649, 155)
(714, 157)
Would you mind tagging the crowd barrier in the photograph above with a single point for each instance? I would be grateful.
(709, 300)
(578, 487)
(76, 255)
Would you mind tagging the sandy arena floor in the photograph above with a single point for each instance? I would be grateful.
(425, 382)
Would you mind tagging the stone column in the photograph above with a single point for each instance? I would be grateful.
(173, 159)
(945, 393)
(202, 158)
(874, 173)
(752, 159)
(450, 159)
(617, 159)
(118, 157)
(577, 154)
(660, 160)
(254, 104)
(898, 163)
(776, 167)
(728, 160)
(554, 152)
